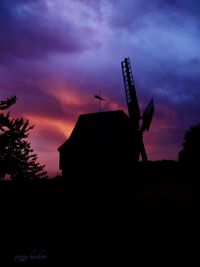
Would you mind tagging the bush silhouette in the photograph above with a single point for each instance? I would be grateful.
(191, 146)
(16, 156)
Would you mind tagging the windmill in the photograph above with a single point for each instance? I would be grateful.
(138, 127)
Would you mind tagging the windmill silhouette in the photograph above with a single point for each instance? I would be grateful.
(109, 138)
(138, 128)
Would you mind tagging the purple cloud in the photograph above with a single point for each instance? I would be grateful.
(29, 30)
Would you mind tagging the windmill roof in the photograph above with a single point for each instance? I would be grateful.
(100, 128)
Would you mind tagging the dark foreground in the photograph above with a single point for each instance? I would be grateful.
(103, 218)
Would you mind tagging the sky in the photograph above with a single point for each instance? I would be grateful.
(56, 55)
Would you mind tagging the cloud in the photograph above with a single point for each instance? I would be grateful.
(30, 30)
(139, 14)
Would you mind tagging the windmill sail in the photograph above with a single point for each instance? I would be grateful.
(132, 102)
(147, 116)
(134, 110)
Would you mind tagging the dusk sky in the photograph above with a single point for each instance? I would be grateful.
(55, 55)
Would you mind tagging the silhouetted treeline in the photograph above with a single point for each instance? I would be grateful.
(191, 147)
(17, 160)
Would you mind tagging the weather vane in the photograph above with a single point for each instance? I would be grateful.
(100, 99)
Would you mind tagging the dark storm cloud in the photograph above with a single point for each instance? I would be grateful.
(27, 31)
(179, 88)
(132, 15)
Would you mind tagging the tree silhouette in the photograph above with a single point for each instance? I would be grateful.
(16, 156)
(191, 146)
